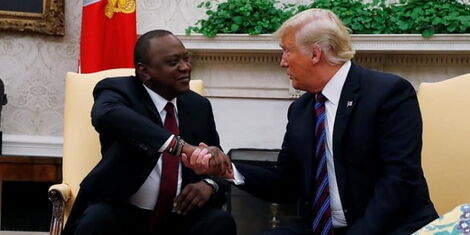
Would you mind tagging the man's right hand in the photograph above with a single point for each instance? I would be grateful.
(209, 160)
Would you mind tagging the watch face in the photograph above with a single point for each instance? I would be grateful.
(212, 183)
(209, 181)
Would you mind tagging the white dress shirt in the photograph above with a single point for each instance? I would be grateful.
(332, 91)
(147, 195)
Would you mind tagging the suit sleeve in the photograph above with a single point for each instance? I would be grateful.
(220, 198)
(399, 150)
(279, 183)
(214, 135)
(112, 114)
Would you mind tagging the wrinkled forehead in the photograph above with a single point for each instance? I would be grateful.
(287, 39)
(165, 43)
(165, 46)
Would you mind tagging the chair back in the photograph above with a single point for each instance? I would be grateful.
(81, 141)
(445, 108)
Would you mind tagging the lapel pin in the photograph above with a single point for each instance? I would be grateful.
(349, 104)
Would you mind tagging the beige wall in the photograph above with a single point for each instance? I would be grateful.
(33, 67)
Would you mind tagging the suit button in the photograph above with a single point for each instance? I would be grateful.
(143, 147)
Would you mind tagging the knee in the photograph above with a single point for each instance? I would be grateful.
(213, 222)
(98, 218)
(224, 220)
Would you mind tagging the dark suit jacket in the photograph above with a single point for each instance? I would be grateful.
(377, 157)
(131, 132)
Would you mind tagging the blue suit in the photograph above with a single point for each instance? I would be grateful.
(377, 156)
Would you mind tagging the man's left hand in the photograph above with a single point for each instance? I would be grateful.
(193, 196)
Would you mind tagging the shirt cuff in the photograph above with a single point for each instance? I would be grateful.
(165, 145)
(238, 178)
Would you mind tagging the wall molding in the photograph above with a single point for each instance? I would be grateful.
(244, 66)
(26, 145)
(415, 59)
(264, 58)
(239, 58)
(442, 43)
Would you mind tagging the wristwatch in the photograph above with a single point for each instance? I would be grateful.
(213, 184)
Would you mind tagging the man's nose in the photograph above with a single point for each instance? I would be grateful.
(184, 66)
(283, 62)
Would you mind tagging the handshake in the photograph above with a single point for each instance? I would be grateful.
(208, 160)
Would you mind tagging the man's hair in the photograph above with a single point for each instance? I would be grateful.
(142, 45)
(320, 27)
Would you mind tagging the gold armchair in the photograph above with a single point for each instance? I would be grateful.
(81, 144)
(445, 108)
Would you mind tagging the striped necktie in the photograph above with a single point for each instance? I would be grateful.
(322, 222)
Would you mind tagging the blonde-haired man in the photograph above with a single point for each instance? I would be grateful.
(351, 151)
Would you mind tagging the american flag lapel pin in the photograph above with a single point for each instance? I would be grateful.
(349, 104)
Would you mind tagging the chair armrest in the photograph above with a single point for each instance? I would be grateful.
(60, 190)
(58, 195)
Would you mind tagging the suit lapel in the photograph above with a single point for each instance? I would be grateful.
(309, 146)
(148, 103)
(346, 105)
(183, 114)
(185, 126)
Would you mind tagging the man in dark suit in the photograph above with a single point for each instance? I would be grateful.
(139, 186)
(351, 151)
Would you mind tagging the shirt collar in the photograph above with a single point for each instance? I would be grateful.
(332, 89)
(159, 101)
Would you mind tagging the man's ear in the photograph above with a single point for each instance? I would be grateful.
(317, 53)
(141, 70)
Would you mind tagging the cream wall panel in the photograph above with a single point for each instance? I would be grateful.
(33, 68)
(250, 123)
(173, 15)
(249, 92)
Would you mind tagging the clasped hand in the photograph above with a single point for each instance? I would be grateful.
(209, 160)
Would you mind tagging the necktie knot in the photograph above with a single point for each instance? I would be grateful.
(320, 98)
(170, 108)
(320, 105)
(170, 121)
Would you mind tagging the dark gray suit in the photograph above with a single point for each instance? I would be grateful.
(131, 132)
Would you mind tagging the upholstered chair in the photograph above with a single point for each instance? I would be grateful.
(445, 108)
(81, 150)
